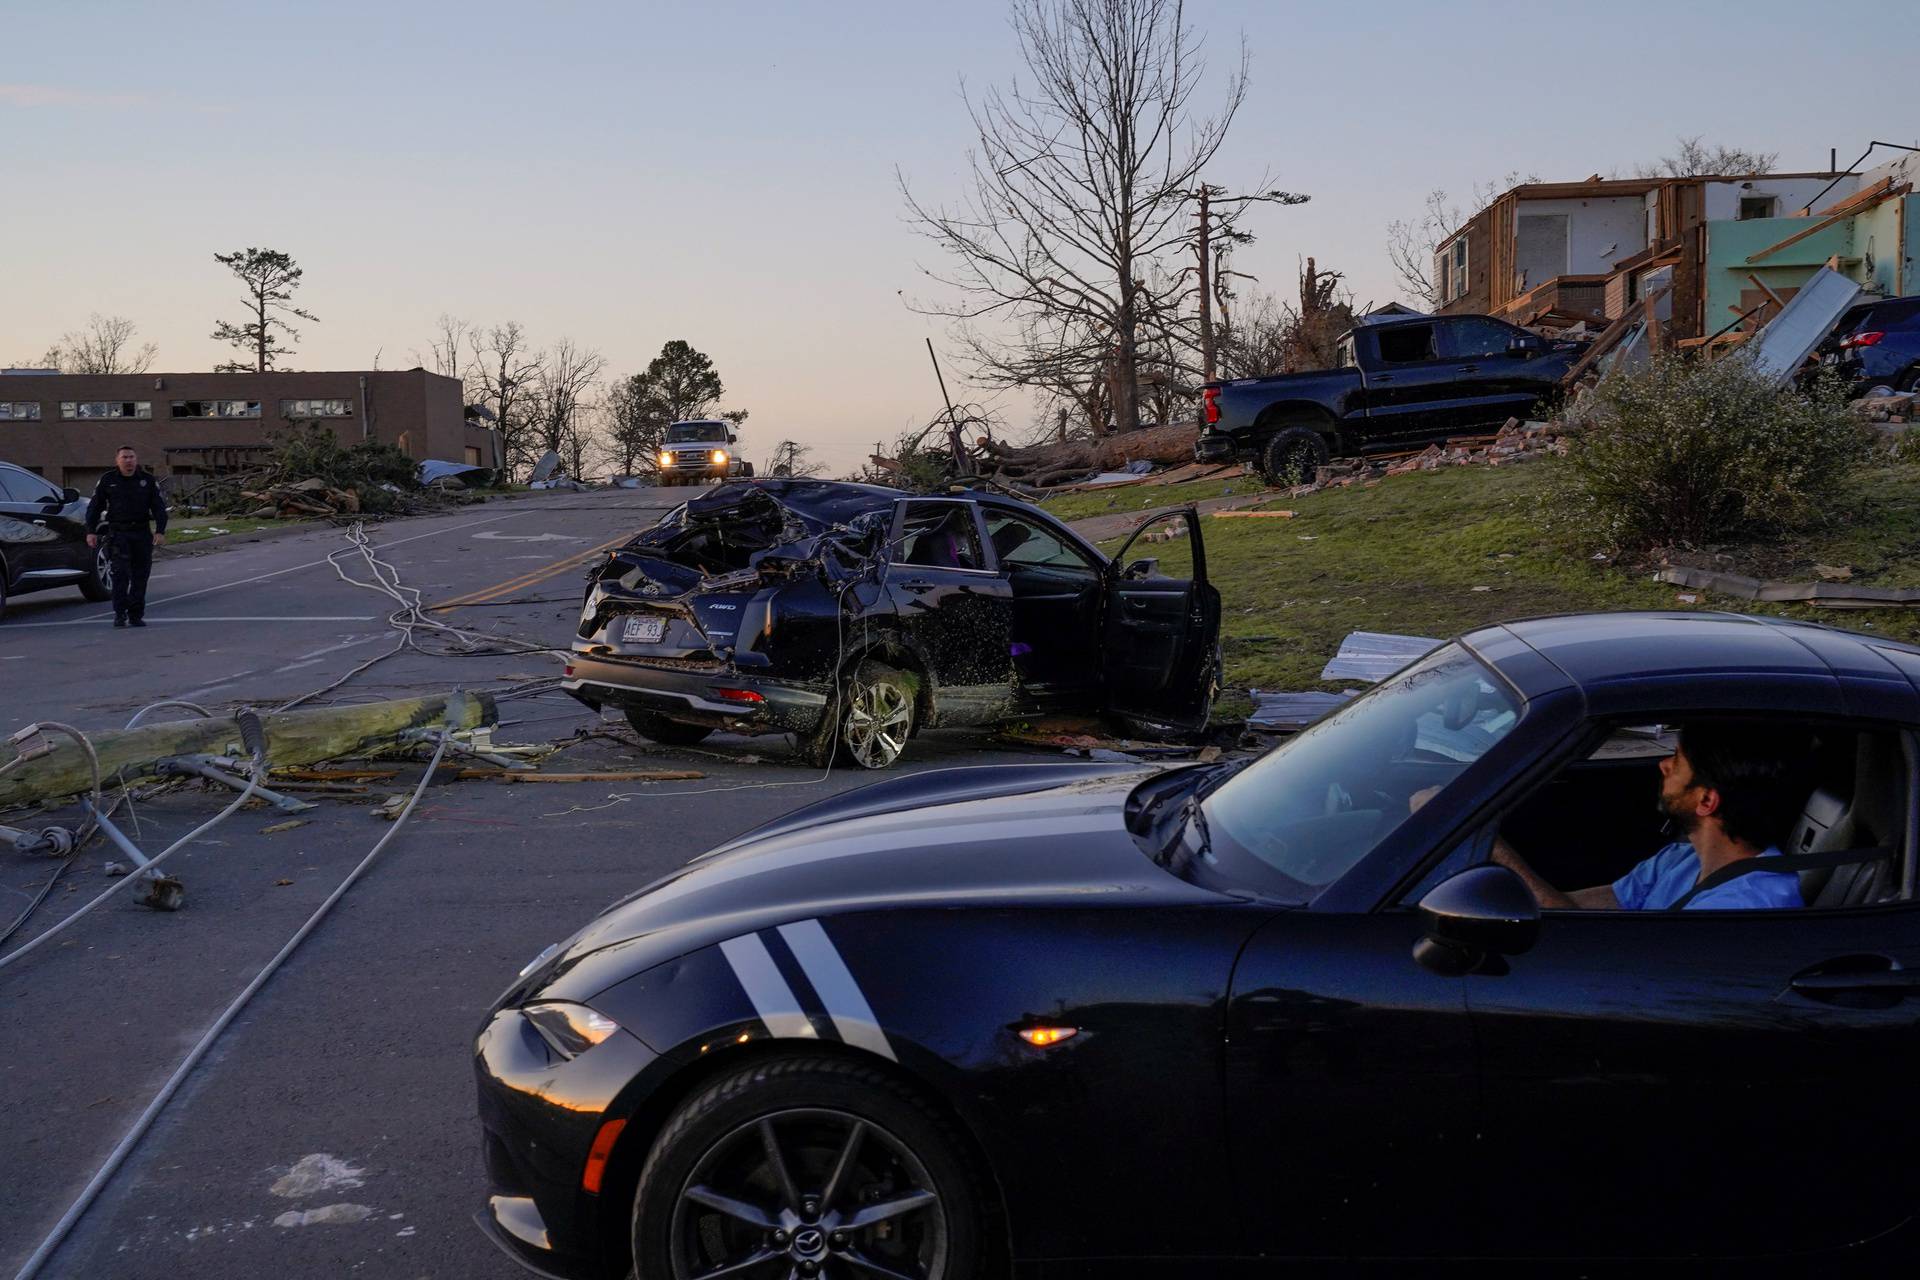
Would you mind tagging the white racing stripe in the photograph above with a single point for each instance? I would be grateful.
(846, 1003)
(772, 998)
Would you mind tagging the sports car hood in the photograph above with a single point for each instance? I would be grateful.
(1017, 845)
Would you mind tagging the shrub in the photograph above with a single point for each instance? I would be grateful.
(1687, 451)
(309, 449)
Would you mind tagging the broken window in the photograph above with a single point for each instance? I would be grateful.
(106, 409)
(1450, 268)
(1757, 207)
(19, 411)
(216, 408)
(1023, 543)
(295, 410)
(1406, 343)
(940, 535)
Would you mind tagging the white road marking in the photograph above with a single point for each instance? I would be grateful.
(314, 564)
(276, 617)
(348, 643)
(209, 688)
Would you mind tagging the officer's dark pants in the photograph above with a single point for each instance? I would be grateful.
(132, 557)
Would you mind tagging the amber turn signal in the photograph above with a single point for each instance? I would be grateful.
(1041, 1037)
(597, 1154)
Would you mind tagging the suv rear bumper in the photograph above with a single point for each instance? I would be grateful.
(1213, 446)
(721, 699)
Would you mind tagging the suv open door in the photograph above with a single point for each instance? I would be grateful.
(1162, 638)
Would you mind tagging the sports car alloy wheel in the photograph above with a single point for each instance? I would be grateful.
(810, 1192)
(879, 716)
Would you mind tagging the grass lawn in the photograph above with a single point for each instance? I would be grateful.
(1138, 497)
(1438, 553)
(181, 532)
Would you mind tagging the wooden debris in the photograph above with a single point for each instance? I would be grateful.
(278, 827)
(335, 775)
(609, 775)
(1252, 515)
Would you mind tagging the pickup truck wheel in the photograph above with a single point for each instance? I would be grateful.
(1293, 455)
(668, 733)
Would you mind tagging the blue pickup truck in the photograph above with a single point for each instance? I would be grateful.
(1400, 383)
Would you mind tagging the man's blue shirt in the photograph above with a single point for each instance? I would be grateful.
(1668, 875)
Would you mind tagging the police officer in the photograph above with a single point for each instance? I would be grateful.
(123, 503)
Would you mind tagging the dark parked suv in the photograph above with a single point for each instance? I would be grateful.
(853, 616)
(1877, 344)
(43, 539)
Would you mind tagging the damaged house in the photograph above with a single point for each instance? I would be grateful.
(1713, 257)
(852, 616)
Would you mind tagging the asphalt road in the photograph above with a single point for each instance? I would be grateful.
(330, 1132)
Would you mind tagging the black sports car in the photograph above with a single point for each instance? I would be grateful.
(43, 540)
(854, 616)
(1074, 1014)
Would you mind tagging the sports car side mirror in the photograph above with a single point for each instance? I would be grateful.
(69, 496)
(1482, 912)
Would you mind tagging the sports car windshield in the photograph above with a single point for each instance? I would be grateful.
(1298, 818)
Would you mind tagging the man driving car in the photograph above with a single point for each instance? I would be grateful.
(1730, 790)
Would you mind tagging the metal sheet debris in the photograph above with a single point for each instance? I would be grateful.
(1286, 712)
(1372, 656)
(1784, 345)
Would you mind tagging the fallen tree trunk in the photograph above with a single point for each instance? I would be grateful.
(1044, 464)
(293, 738)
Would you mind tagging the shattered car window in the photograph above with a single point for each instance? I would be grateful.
(1019, 542)
(940, 535)
(1311, 809)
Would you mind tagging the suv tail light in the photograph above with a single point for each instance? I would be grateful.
(1869, 339)
(1210, 402)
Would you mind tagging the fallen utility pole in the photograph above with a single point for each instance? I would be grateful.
(45, 770)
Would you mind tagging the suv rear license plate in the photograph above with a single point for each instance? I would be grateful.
(643, 630)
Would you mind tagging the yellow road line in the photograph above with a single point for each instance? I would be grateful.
(528, 579)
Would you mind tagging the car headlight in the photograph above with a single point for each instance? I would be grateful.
(570, 1029)
(666, 459)
(719, 455)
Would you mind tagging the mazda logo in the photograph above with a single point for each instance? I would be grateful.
(809, 1240)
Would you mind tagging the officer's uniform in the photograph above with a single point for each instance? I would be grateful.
(120, 511)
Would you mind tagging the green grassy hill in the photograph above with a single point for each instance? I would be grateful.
(1438, 553)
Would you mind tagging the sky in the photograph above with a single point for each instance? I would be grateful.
(628, 173)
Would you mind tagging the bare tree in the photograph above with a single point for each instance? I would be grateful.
(504, 370)
(104, 346)
(444, 348)
(1081, 178)
(792, 460)
(1412, 244)
(562, 396)
(1693, 156)
(270, 278)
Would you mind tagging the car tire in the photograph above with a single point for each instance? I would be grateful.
(668, 733)
(1293, 455)
(716, 1143)
(3, 590)
(870, 722)
(98, 584)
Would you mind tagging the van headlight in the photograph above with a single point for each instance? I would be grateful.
(719, 455)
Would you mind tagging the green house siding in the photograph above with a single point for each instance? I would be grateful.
(1875, 248)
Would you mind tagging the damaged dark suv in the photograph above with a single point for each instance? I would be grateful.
(854, 616)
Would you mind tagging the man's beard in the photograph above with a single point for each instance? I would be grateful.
(1677, 813)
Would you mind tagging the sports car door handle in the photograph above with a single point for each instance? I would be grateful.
(1828, 979)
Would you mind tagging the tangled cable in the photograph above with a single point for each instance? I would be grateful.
(410, 620)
